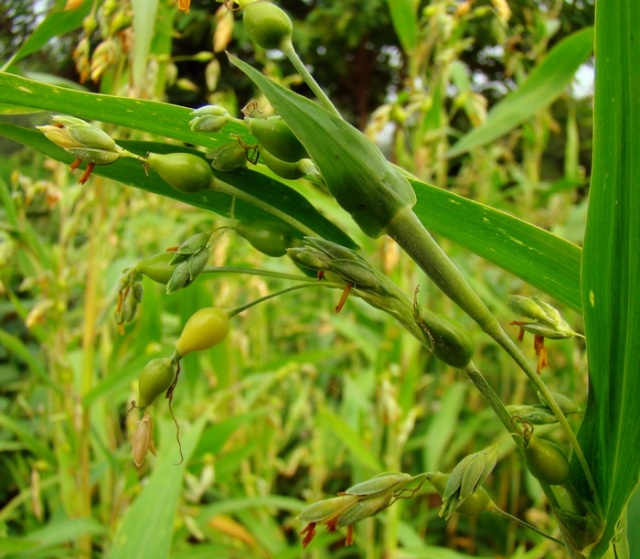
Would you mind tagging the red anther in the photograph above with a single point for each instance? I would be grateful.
(343, 297)
(309, 531)
(87, 173)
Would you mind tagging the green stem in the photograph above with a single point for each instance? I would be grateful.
(238, 310)
(292, 55)
(234, 192)
(478, 380)
(524, 524)
(257, 272)
(407, 230)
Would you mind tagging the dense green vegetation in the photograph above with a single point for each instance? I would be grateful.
(308, 333)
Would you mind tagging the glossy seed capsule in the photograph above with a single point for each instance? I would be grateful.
(155, 379)
(157, 267)
(268, 25)
(451, 342)
(276, 137)
(546, 461)
(185, 172)
(204, 329)
(270, 238)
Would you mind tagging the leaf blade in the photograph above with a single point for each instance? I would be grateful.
(611, 267)
(545, 84)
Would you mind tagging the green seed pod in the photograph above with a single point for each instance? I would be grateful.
(361, 276)
(545, 460)
(209, 118)
(204, 329)
(276, 137)
(566, 404)
(310, 258)
(473, 505)
(451, 343)
(179, 278)
(185, 172)
(527, 307)
(290, 171)
(95, 156)
(193, 245)
(157, 268)
(267, 25)
(335, 251)
(382, 483)
(270, 238)
(197, 263)
(364, 509)
(327, 509)
(228, 157)
(155, 379)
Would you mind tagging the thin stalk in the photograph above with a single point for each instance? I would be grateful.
(524, 524)
(234, 192)
(290, 52)
(238, 310)
(407, 230)
(257, 272)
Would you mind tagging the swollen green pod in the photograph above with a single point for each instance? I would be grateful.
(155, 379)
(276, 137)
(545, 460)
(185, 172)
(270, 238)
(450, 341)
(204, 329)
(268, 25)
(284, 169)
(157, 267)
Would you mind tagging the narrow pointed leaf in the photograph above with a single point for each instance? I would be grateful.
(611, 268)
(543, 86)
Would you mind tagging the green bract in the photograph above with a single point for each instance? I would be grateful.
(155, 379)
(267, 24)
(185, 172)
(276, 137)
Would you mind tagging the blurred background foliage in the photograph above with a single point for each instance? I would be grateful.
(298, 403)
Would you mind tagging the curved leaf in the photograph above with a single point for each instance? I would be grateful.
(544, 85)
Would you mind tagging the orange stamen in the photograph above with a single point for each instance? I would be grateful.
(349, 540)
(344, 297)
(87, 173)
(541, 352)
(309, 531)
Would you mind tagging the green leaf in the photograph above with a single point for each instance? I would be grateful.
(540, 258)
(544, 85)
(144, 20)
(148, 524)
(405, 22)
(340, 430)
(58, 22)
(611, 267)
(266, 191)
(537, 256)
